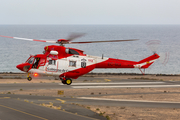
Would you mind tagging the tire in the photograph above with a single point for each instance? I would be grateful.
(68, 81)
(29, 78)
(63, 81)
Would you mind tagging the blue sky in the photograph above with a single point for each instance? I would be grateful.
(90, 12)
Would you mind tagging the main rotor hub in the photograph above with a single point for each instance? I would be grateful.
(62, 41)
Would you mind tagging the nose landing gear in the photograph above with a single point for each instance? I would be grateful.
(28, 77)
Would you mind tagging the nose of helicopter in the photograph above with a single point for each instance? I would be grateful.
(20, 67)
(23, 67)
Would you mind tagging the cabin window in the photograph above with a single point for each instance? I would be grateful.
(72, 63)
(52, 62)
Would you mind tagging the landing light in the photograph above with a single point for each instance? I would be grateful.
(35, 74)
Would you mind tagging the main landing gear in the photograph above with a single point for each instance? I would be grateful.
(67, 81)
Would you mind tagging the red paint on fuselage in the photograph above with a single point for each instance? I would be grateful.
(116, 63)
(61, 51)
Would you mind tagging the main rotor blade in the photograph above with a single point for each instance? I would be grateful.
(49, 41)
(67, 41)
(73, 36)
(102, 41)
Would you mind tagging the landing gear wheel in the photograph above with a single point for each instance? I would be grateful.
(68, 81)
(29, 78)
(63, 81)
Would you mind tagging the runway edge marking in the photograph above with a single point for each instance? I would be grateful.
(139, 86)
(111, 83)
(107, 99)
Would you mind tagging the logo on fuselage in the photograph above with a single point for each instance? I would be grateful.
(83, 63)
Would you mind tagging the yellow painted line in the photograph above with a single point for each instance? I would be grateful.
(24, 112)
(108, 80)
(46, 100)
(63, 101)
(4, 97)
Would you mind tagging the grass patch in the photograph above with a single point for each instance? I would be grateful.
(97, 109)
(107, 117)
(8, 93)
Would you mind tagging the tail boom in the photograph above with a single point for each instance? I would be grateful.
(117, 63)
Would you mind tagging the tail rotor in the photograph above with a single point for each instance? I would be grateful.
(153, 45)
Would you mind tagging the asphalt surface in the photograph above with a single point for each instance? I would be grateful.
(85, 85)
(13, 109)
(20, 107)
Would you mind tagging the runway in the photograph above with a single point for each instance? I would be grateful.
(15, 108)
(28, 106)
(120, 84)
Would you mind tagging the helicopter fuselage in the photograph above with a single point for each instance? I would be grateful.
(72, 63)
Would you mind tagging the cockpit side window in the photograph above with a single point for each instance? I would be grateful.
(36, 62)
(30, 61)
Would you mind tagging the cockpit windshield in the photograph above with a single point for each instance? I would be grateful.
(30, 61)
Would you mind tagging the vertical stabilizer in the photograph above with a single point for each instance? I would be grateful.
(145, 63)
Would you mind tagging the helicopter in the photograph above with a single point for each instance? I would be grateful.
(70, 63)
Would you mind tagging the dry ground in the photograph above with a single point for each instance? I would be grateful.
(136, 113)
(121, 112)
(144, 77)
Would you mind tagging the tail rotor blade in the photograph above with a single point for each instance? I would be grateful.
(164, 58)
(153, 45)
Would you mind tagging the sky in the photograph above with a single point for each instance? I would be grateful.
(89, 12)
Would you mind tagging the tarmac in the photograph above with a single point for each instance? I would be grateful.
(20, 107)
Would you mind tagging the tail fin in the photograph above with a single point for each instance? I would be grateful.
(145, 63)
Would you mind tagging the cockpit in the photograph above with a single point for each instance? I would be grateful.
(36, 61)
(32, 62)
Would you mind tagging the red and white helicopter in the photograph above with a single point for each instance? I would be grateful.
(70, 63)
